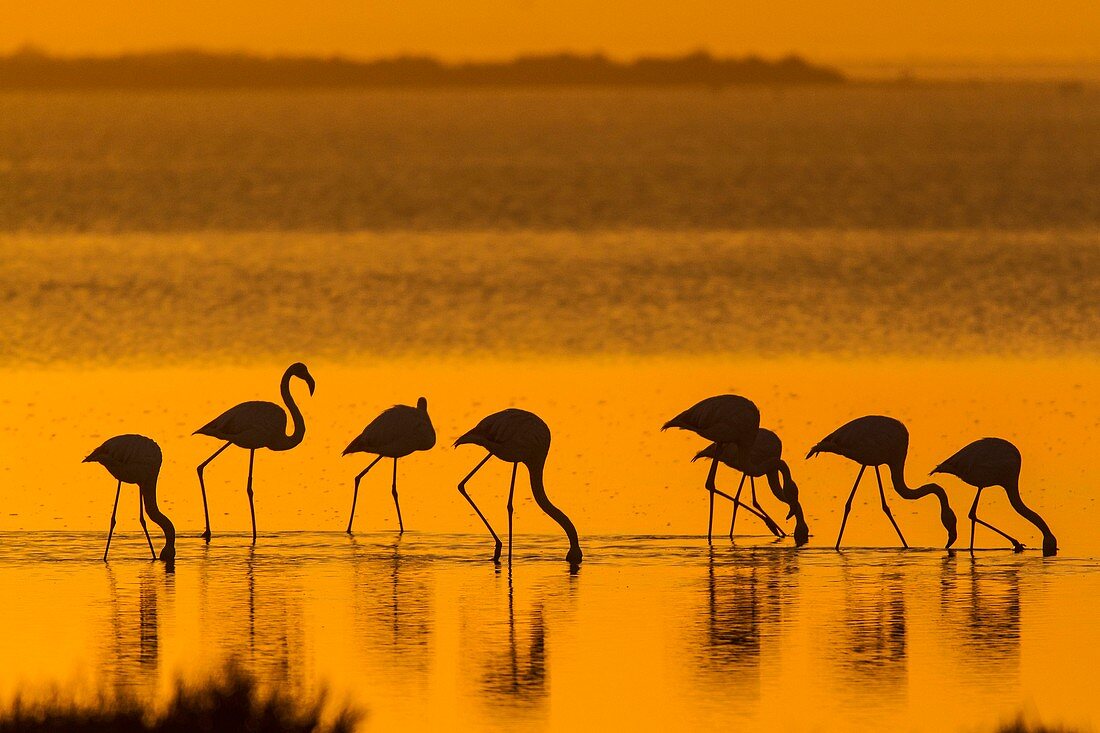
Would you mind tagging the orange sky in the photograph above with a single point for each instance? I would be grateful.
(852, 30)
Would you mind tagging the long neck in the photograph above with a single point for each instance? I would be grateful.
(1050, 543)
(539, 491)
(295, 414)
(788, 494)
(149, 499)
(947, 515)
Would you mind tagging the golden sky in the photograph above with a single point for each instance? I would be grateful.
(984, 30)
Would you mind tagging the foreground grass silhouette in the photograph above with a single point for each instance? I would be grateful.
(1022, 724)
(233, 701)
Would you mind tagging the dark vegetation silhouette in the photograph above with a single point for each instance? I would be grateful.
(518, 436)
(764, 459)
(996, 462)
(732, 423)
(398, 432)
(135, 459)
(255, 425)
(875, 440)
(232, 701)
(31, 69)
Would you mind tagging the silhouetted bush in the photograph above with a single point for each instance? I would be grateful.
(231, 702)
(1023, 725)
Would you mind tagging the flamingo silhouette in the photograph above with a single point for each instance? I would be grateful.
(876, 440)
(135, 459)
(996, 462)
(518, 436)
(731, 421)
(765, 459)
(399, 431)
(255, 425)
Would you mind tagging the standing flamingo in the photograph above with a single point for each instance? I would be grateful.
(875, 440)
(254, 425)
(399, 431)
(765, 459)
(135, 459)
(996, 462)
(731, 421)
(518, 436)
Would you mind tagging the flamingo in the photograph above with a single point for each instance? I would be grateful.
(518, 436)
(765, 459)
(398, 432)
(255, 425)
(731, 421)
(996, 462)
(135, 459)
(876, 440)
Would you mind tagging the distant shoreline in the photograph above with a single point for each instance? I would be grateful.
(32, 70)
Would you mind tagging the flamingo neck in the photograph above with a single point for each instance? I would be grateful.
(538, 489)
(1050, 542)
(299, 433)
(947, 515)
(149, 499)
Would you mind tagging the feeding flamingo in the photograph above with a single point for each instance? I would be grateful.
(731, 421)
(135, 459)
(399, 431)
(876, 440)
(996, 462)
(765, 459)
(518, 436)
(254, 425)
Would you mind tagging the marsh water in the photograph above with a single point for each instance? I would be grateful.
(604, 259)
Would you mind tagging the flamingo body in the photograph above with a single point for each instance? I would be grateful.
(399, 431)
(765, 451)
(250, 425)
(727, 419)
(872, 440)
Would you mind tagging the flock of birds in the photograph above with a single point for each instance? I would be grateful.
(730, 423)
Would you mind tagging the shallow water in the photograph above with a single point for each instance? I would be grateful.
(652, 633)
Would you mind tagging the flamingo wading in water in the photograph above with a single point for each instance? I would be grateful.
(135, 459)
(254, 425)
(399, 431)
(876, 440)
(518, 436)
(731, 421)
(996, 462)
(765, 459)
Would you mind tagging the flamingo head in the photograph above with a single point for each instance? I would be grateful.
(300, 370)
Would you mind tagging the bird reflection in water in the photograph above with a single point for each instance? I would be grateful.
(981, 603)
(872, 638)
(519, 680)
(396, 625)
(131, 658)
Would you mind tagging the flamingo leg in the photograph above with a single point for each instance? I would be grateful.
(111, 531)
(145, 527)
(462, 490)
(736, 503)
(1016, 545)
(396, 503)
(202, 486)
(773, 527)
(248, 490)
(355, 495)
(886, 508)
(848, 506)
(511, 492)
(711, 488)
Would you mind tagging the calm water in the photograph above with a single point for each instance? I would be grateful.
(604, 259)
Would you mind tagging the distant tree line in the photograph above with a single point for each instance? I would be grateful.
(29, 69)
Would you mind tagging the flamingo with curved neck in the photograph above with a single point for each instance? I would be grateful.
(255, 425)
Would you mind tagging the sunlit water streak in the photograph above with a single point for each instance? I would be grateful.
(652, 632)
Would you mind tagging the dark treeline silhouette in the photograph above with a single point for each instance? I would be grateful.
(31, 69)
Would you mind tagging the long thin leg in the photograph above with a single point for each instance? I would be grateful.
(396, 503)
(462, 490)
(886, 508)
(711, 488)
(355, 496)
(511, 492)
(205, 510)
(111, 531)
(848, 506)
(141, 518)
(773, 526)
(1016, 545)
(248, 490)
(736, 503)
